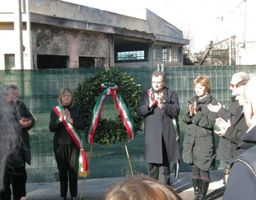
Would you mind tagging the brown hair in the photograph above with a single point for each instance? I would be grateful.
(12, 86)
(159, 73)
(62, 93)
(141, 188)
(204, 81)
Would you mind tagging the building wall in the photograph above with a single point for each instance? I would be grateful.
(73, 43)
(80, 32)
(8, 41)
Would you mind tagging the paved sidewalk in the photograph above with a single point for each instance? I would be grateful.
(94, 189)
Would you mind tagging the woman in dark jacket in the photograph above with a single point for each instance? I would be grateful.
(198, 147)
(65, 150)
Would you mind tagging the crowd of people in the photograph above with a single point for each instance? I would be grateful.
(206, 118)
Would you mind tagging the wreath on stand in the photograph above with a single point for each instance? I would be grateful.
(110, 129)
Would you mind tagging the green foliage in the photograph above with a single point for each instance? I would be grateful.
(86, 94)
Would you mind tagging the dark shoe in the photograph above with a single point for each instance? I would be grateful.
(204, 190)
(63, 198)
(74, 198)
(197, 186)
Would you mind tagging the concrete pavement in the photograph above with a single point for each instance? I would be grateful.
(94, 189)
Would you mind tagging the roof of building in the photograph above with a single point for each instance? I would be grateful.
(153, 28)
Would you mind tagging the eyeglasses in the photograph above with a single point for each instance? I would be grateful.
(240, 83)
(157, 82)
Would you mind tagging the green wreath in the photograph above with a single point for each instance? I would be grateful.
(109, 130)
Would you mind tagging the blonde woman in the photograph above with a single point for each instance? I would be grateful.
(65, 150)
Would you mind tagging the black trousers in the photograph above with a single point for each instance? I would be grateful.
(16, 177)
(161, 171)
(67, 162)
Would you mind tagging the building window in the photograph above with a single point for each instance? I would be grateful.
(86, 62)
(158, 53)
(9, 60)
(176, 55)
(52, 61)
(165, 54)
(180, 54)
(131, 56)
(170, 55)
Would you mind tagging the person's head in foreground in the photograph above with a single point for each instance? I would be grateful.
(237, 85)
(141, 188)
(249, 102)
(8, 137)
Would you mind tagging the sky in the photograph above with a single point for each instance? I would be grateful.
(201, 21)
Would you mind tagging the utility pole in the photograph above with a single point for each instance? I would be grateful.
(29, 40)
(18, 33)
(230, 51)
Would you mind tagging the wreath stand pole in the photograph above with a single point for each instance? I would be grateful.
(128, 158)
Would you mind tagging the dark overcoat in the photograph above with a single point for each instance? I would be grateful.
(198, 146)
(22, 151)
(228, 148)
(158, 127)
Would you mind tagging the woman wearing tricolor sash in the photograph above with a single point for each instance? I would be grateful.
(65, 121)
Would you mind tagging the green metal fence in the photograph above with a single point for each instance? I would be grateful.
(40, 88)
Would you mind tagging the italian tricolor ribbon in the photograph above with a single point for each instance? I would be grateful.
(111, 89)
(83, 163)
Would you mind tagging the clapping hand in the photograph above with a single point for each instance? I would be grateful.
(68, 116)
(223, 125)
(214, 108)
(65, 115)
(160, 100)
(25, 122)
(152, 101)
(62, 114)
(192, 109)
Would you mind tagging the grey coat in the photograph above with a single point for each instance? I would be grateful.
(158, 127)
(198, 146)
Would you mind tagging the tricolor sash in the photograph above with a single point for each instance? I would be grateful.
(83, 163)
(111, 89)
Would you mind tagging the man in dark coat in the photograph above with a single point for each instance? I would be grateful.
(15, 171)
(159, 106)
(231, 122)
(242, 179)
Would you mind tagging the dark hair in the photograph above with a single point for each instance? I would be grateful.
(159, 73)
(141, 188)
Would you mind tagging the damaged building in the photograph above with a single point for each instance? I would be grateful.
(57, 34)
